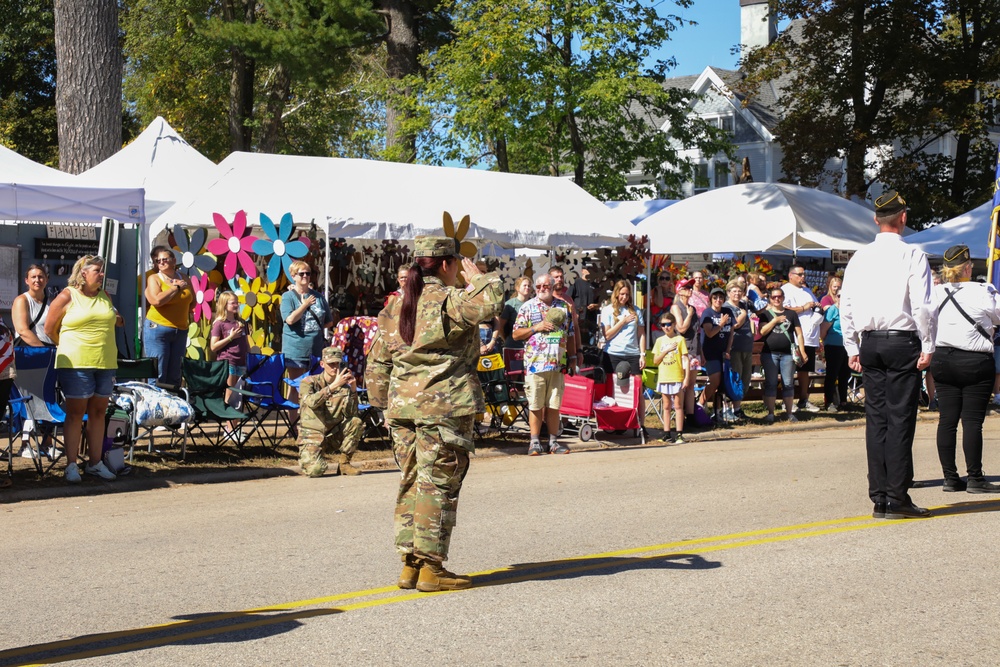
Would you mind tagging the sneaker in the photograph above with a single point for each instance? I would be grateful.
(792, 418)
(72, 473)
(832, 409)
(933, 405)
(679, 440)
(100, 470)
(535, 449)
(769, 419)
(739, 414)
(807, 406)
(996, 399)
(559, 449)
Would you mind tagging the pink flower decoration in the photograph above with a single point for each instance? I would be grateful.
(204, 293)
(235, 243)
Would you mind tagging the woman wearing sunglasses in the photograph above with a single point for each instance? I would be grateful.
(169, 296)
(781, 331)
(305, 318)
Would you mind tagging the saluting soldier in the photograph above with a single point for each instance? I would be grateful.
(422, 371)
(329, 420)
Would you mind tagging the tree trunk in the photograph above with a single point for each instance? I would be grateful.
(277, 98)
(88, 82)
(240, 79)
(500, 150)
(402, 47)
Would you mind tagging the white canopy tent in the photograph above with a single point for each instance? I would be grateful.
(370, 199)
(971, 228)
(759, 217)
(160, 162)
(15, 168)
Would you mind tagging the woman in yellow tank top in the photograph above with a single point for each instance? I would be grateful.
(169, 297)
(82, 322)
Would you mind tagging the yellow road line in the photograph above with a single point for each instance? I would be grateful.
(539, 571)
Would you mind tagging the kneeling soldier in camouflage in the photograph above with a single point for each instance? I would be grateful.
(329, 420)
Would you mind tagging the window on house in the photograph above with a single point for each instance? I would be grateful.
(721, 174)
(701, 182)
(726, 123)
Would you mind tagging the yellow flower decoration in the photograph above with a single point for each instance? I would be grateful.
(467, 248)
(259, 343)
(255, 296)
(197, 344)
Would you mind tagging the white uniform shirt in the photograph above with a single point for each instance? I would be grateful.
(976, 299)
(796, 297)
(887, 286)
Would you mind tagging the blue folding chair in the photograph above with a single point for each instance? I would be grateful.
(264, 379)
(35, 410)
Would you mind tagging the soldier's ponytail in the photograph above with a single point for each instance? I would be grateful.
(414, 287)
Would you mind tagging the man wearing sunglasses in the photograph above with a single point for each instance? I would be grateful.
(889, 324)
(548, 348)
(800, 300)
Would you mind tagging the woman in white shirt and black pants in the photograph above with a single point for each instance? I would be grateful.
(963, 367)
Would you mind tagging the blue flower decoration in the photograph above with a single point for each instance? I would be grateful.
(282, 251)
(190, 256)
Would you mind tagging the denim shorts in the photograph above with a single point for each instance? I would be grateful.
(86, 382)
(237, 370)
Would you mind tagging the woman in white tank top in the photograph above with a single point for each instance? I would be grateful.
(29, 310)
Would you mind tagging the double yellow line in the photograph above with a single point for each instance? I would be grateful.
(136, 639)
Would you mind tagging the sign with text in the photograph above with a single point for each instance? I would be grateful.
(68, 249)
(76, 232)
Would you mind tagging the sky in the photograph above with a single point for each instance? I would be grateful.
(709, 42)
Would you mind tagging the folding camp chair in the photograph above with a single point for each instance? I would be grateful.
(206, 385)
(625, 413)
(505, 404)
(146, 407)
(263, 378)
(35, 410)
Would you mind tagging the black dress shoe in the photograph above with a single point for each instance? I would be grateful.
(879, 512)
(982, 486)
(953, 485)
(911, 511)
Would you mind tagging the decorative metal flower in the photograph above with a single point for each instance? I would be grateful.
(197, 342)
(254, 296)
(204, 293)
(466, 248)
(235, 243)
(341, 253)
(190, 259)
(282, 251)
(260, 343)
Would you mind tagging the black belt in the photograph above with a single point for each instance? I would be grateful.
(889, 334)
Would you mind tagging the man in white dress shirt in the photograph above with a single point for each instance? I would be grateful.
(889, 326)
(801, 300)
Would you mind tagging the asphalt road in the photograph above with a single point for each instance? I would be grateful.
(755, 551)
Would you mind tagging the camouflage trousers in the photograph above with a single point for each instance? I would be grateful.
(433, 458)
(313, 445)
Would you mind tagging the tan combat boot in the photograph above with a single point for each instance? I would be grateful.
(411, 570)
(433, 577)
(345, 466)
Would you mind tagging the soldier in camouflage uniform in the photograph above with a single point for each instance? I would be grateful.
(431, 395)
(329, 420)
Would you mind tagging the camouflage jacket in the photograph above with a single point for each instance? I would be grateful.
(436, 375)
(323, 408)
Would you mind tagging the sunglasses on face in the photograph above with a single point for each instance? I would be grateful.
(777, 296)
(666, 324)
(796, 274)
(543, 286)
(163, 260)
(304, 273)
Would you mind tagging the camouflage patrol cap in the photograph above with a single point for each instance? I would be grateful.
(333, 355)
(435, 246)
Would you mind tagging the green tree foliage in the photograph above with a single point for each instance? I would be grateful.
(27, 79)
(304, 59)
(557, 88)
(884, 85)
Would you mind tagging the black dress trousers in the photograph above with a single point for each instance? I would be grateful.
(892, 390)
